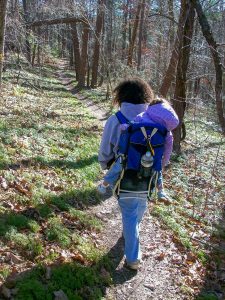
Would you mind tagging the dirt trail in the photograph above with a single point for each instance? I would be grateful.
(160, 276)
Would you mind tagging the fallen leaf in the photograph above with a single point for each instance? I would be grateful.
(191, 258)
(79, 258)
(3, 182)
(161, 256)
(21, 189)
(14, 258)
(149, 286)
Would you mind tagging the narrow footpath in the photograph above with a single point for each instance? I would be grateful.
(160, 276)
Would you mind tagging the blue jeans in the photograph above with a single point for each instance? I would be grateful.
(160, 181)
(133, 207)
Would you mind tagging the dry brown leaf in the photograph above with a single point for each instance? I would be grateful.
(14, 258)
(79, 258)
(21, 189)
(190, 259)
(161, 256)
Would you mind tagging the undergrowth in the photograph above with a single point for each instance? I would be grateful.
(48, 165)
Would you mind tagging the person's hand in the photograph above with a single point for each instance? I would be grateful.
(167, 166)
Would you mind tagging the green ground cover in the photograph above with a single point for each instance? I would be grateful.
(48, 165)
(195, 183)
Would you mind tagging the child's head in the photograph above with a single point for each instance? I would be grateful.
(133, 90)
(158, 100)
(163, 113)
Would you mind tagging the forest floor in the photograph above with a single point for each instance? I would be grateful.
(169, 270)
(59, 240)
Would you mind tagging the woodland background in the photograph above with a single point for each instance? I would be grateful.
(49, 140)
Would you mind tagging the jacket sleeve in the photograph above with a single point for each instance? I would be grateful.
(109, 141)
(168, 147)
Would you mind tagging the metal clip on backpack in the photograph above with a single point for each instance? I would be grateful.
(134, 142)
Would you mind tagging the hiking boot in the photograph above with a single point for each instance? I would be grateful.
(163, 197)
(132, 265)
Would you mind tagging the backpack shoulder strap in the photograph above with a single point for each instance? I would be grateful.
(121, 118)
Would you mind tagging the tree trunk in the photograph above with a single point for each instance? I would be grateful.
(71, 55)
(171, 70)
(134, 34)
(76, 49)
(171, 28)
(3, 4)
(159, 51)
(207, 33)
(141, 35)
(27, 43)
(95, 60)
(125, 26)
(33, 54)
(179, 101)
(38, 55)
(84, 55)
(109, 28)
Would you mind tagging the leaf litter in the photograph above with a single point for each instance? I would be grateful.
(169, 257)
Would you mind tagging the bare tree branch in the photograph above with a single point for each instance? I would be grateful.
(164, 16)
(68, 20)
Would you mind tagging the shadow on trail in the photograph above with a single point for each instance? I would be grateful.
(213, 287)
(67, 164)
(57, 163)
(74, 279)
(49, 88)
(207, 146)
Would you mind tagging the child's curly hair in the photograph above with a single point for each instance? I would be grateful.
(133, 90)
(158, 100)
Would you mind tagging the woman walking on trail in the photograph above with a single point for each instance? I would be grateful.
(133, 96)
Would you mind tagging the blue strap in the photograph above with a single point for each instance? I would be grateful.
(121, 118)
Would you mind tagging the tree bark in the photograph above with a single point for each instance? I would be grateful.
(33, 54)
(171, 70)
(84, 56)
(207, 33)
(179, 101)
(141, 35)
(27, 43)
(125, 26)
(109, 28)
(98, 30)
(134, 34)
(76, 49)
(3, 4)
(171, 28)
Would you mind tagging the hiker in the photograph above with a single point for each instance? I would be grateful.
(133, 97)
(159, 111)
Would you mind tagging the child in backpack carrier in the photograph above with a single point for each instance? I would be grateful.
(159, 112)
